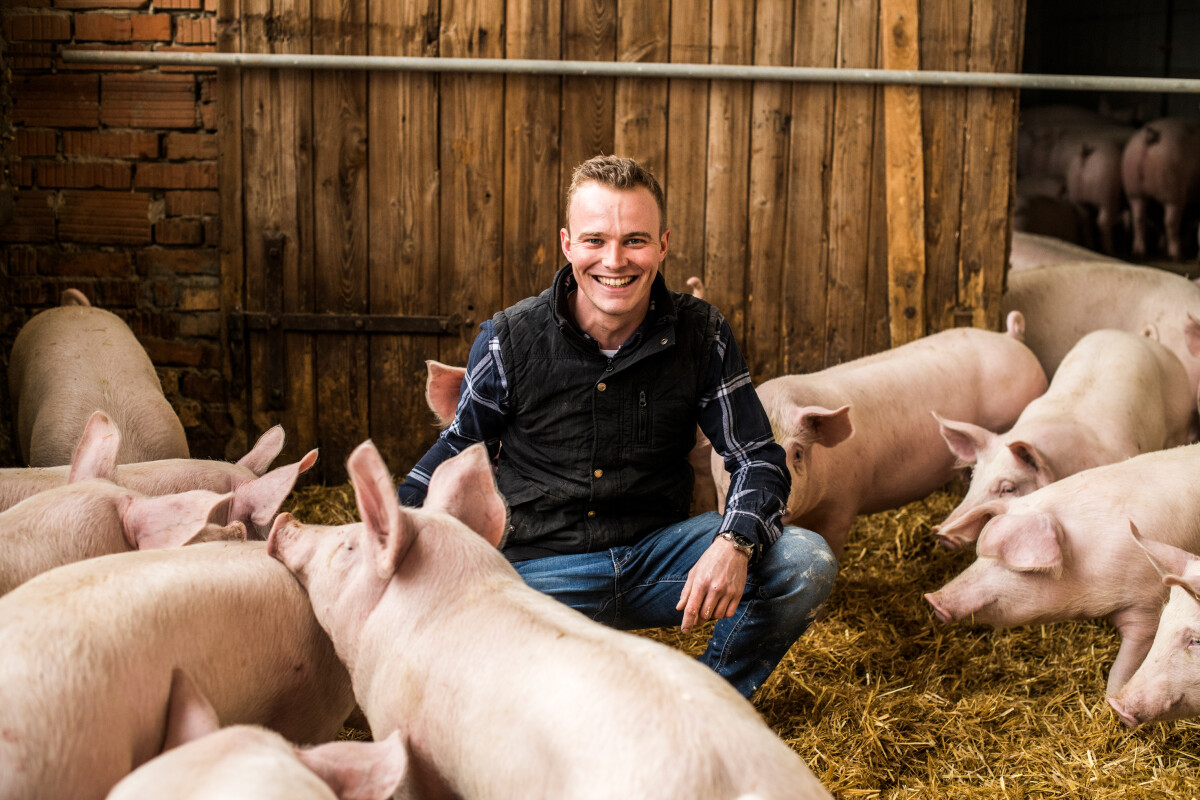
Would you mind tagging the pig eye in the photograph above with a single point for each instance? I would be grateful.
(1006, 488)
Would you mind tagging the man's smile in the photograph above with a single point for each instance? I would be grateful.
(615, 282)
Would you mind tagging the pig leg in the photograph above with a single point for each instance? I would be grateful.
(1137, 630)
(1137, 212)
(1173, 222)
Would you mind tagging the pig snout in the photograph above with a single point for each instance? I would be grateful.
(942, 614)
(1126, 717)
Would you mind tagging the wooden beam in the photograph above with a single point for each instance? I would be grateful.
(905, 175)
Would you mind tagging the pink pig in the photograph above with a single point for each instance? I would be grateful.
(1062, 304)
(1064, 552)
(1167, 684)
(860, 436)
(1116, 395)
(206, 762)
(87, 653)
(416, 599)
(1030, 251)
(92, 516)
(165, 476)
(74, 359)
(1161, 163)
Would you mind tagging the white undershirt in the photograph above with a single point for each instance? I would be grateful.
(609, 353)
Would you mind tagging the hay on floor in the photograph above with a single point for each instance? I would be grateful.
(883, 701)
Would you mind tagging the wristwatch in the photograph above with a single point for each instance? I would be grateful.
(740, 543)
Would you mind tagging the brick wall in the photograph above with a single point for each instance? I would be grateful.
(113, 176)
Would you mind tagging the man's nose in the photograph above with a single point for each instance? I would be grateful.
(613, 255)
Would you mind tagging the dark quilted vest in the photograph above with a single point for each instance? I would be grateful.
(596, 453)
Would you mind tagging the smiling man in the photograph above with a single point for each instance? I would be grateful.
(588, 396)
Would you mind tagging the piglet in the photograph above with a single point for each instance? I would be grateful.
(1167, 684)
(71, 360)
(87, 653)
(92, 516)
(416, 600)
(206, 762)
(860, 436)
(1064, 551)
(165, 476)
(1116, 395)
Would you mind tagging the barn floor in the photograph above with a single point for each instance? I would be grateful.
(882, 701)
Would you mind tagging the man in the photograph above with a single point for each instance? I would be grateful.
(588, 396)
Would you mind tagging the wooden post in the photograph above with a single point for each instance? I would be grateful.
(905, 176)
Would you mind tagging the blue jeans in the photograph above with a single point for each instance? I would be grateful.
(639, 586)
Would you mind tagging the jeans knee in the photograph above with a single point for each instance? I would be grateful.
(800, 566)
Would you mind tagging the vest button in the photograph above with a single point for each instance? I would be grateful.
(591, 514)
(600, 387)
(599, 473)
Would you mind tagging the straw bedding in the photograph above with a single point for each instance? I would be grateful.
(883, 701)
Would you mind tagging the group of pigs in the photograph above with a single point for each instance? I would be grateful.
(1086, 178)
(1077, 427)
(133, 667)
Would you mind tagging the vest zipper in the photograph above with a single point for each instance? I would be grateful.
(643, 417)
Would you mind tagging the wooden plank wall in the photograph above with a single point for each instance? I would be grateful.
(425, 194)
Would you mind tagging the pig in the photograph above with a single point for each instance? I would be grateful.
(415, 600)
(73, 359)
(1094, 185)
(202, 761)
(1060, 305)
(1031, 250)
(1064, 552)
(860, 437)
(87, 653)
(1167, 684)
(92, 516)
(166, 476)
(1050, 217)
(1116, 395)
(1161, 163)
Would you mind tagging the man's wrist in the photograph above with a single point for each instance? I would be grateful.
(740, 543)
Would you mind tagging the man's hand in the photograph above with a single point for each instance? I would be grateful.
(715, 585)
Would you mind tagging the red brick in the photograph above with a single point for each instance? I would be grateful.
(204, 324)
(207, 48)
(192, 204)
(85, 263)
(211, 5)
(27, 294)
(200, 298)
(109, 144)
(49, 27)
(36, 143)
(57, 101)
(33, 218)
(25, 4)
(208, 116)
(190, 145)
(22, 174)
(112, 294)
(104, 217)
(189, 175)
(152, 28)
(148, 100)
(103, 27)
(208, 89)
(187, 4)
(212, 231)
(182, 354)
(84, 175)
(192, 30)
(201, 261)
(174, 230)
(21, 262)
(31, 56)
(101, 3)
(126, 48)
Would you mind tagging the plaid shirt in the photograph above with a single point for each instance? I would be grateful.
(729, 413)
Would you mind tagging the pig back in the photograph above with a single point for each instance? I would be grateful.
(72, 360)
(87, 651)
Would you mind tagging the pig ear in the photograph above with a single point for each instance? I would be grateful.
(442, 388)
(464, 487)
(257, 501)
(966, 528)
(964, 439)
(1191, 333)
(233, 532)
(265, 450)
(96, 454)
(189, 714)
(389, 531)
(1025, 542)
(1035, 459)
(1168, 560)
(1014, 325)
(171, 519)
(818, 425)
(359, 770)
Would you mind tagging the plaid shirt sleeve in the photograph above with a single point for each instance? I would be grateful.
(733, 418)
(481, 415)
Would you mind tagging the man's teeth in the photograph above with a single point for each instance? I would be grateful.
(615, 282)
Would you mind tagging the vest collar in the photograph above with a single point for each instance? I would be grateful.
(662, 311)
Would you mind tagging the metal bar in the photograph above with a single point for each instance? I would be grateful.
(351, 323)
(628, 69)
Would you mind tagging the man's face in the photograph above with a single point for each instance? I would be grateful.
(614, 244)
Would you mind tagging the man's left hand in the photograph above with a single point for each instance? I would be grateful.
(714, 586)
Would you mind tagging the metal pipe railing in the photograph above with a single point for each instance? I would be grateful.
(630, 69)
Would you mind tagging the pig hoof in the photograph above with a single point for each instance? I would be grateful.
(1125, 716)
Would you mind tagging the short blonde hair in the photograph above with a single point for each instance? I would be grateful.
(617, 172)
